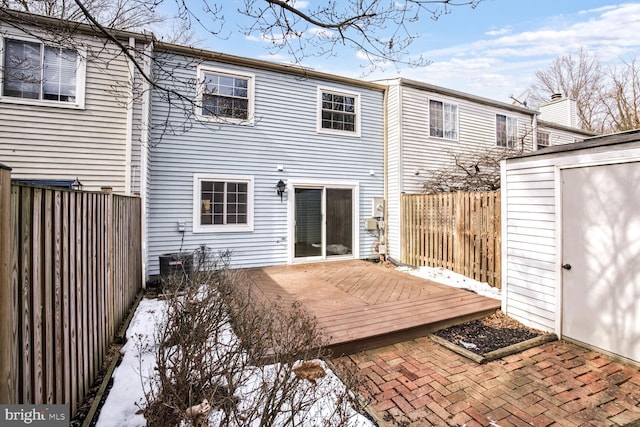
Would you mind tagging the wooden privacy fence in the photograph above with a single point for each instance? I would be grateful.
(457, 231)
(71, 269)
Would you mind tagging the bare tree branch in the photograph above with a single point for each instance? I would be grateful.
(580, 77)
(377, 29)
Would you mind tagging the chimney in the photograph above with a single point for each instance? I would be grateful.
(560, 110)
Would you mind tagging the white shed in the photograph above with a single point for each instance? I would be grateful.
(571, 241)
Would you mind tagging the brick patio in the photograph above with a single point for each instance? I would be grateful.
(420, 383)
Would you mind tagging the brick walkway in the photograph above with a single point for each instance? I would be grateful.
(419, 383)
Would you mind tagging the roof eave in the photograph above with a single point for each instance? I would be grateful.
(264, 65)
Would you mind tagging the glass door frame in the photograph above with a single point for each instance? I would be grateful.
(354, 186)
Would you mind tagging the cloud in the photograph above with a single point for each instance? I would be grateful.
(498, 32)
(613, 29)
(275, 57)
(317, 31)
(270, 38)
(596, 10)
(505, 60)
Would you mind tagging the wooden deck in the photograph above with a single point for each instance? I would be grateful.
(360, 305)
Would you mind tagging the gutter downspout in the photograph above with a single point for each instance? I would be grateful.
(504, 278)
(385, 171)
(144, 157)
(400, 142)
(534, 126)
(129, 130)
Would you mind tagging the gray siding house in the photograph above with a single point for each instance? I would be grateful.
(229, 130)
(428, 125)
(68, 111)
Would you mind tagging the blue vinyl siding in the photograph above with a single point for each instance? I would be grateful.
(284, 132)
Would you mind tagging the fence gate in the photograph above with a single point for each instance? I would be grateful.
(457, 231)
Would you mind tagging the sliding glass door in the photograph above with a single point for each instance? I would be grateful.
(323, 222)
(339, 233)
(308, 226)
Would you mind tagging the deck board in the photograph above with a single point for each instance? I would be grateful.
(361, 305)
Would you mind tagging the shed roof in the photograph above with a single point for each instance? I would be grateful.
(610, 140)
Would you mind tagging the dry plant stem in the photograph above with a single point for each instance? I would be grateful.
(211, 342)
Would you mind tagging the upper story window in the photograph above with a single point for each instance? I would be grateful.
(339, 112)
(222, 203)
(225, 96)
(543, 139)
(443, 120)
(506, 131)
(36, 72)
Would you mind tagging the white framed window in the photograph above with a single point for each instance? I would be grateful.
(35, 73)
(225, 96)
(338, 112)
(222, 203)
(506, 131)
(443, 120)
(543, 139)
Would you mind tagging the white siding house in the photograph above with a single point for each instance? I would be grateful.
(571, 241)
(215, 163)
(428, 125)
(77, 126)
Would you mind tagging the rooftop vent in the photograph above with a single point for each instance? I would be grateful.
(556, 96)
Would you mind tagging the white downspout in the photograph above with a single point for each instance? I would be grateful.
(534, 126)
(129, 130)
(144, 156)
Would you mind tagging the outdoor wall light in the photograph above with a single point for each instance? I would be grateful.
(281, 187)
(76, 184)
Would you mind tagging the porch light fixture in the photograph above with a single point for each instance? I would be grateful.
(281, 187)
(76, 184)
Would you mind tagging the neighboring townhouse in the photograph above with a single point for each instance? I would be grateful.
(69, 104)
(428, 125)
(275, 163)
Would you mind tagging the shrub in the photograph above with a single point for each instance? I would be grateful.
(222, 346)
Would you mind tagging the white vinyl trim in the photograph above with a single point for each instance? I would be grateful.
(292, 184)
(81, 74)
(250, 88)
(358, 112)
(222, 228)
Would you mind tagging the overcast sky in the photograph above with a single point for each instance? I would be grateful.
(492, 50)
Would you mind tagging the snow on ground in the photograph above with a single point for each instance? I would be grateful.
(126, 397)
(448, 277)
(127, 394)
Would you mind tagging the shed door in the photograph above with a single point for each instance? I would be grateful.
(601, 243)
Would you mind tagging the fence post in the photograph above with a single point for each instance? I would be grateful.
(7, 386)
(458, 235)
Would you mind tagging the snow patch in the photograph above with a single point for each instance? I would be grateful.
(450, 278)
